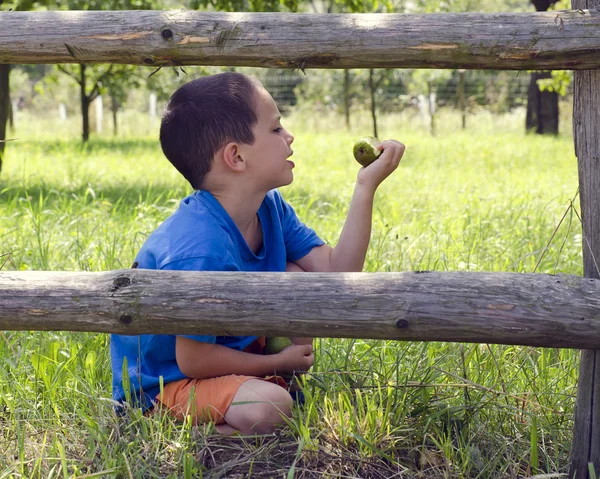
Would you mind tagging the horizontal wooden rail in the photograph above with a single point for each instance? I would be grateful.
(499, 41)
(506, 308)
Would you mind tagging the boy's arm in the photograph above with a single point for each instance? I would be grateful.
(203, 360)
(350, 252)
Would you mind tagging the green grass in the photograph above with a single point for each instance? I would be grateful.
(486, 199)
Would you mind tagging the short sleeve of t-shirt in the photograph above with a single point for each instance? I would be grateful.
(200, 264)
(299, 239)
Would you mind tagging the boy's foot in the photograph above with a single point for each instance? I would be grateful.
(226, 430)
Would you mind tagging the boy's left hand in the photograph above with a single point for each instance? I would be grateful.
(371, 176)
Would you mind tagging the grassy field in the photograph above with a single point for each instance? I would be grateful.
(486, 199)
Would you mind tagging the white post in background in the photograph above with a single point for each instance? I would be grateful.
(432, 103)
(99, 113)
(152, 107)
(62, 111)
(423, 109)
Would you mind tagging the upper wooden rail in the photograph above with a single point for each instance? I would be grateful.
(506, 308)
(500, 41)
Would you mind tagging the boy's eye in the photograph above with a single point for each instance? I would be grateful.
(278, 129)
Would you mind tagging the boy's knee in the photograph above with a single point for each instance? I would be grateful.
(271, 413)
(280, 401)
(266, 411)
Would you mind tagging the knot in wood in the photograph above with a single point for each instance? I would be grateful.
(402, 324)
(125, 319)
(148, 61)
(167, 33)
(120, 282)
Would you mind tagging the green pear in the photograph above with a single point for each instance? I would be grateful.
(276, 344)
(365, 150)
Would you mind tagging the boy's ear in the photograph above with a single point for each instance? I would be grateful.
(232, 157)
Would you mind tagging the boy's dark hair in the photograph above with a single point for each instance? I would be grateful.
(202, 116)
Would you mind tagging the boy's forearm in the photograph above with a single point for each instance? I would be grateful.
(202, 360)
(351, 249)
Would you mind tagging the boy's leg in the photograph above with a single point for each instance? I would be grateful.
(258, 407)
(234, 403)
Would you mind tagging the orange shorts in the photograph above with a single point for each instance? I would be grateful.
(208, 399)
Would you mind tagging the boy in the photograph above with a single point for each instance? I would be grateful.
(223, 133)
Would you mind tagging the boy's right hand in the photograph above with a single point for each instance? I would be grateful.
(372, 175)
(297, 358)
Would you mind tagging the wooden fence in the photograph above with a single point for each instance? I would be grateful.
(538, 310)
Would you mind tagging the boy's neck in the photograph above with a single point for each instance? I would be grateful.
(241, 207)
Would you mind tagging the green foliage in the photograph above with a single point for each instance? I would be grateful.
(246, 5)
(420, 79)
(80, 4)
(104, 4)
(361, 6)
(446, 6)
(559, 83)
(121, 80)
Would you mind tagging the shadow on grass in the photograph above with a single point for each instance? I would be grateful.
(140, 192)
(149, 188)
(122, 193)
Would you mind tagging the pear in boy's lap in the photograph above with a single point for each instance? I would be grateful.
(365, 150)
(275, 344)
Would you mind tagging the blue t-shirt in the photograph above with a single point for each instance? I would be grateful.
(201, 236)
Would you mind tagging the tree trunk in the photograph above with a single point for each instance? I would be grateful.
(461, 98)
(4, 107)
(85, 104)
(347, 97)
(114, 106)
(373, 105)
(11, 114)
(542, 107)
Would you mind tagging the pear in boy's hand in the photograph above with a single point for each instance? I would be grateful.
(365, 150)
(275, 344)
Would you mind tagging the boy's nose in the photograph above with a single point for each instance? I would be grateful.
(290, 138)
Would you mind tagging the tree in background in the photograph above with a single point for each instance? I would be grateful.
(432, 79)
(5, 107)
(117, 86)
(559, 80)
(90, 79)
(5, 103)
(374, 80)
(542, 105)
(94, 79)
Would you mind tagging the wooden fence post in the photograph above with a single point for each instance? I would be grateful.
(586, 132)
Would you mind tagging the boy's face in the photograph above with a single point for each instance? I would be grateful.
(268, 156)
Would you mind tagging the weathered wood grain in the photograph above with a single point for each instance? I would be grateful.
(500, 41)
(508, 308)
(586, 131)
